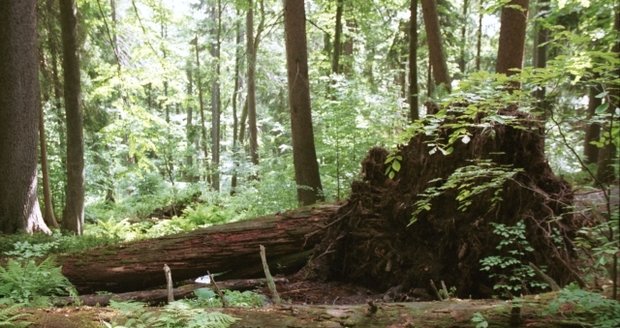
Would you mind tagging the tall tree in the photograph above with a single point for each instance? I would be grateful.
(414, 111)
(309, 189)
(251, 53)
(479, 34)
(540, 50)
(512, 37)
(73, 216)
(201, 104)
(216, 102)
(593, 130)
(235, 97)
(19, 112)
(337, 37)
(436, 53)
(464, 21)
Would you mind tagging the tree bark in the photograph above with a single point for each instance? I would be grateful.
(19, 113)
(436, 54)
(231, 248)
(512, 37)
(414, 110)
(73, 215)
(309, 189)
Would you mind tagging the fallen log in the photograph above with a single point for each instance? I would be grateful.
(532, 312)
(231, 249)
(158, 296)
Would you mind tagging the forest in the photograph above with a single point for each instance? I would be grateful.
(318, 163)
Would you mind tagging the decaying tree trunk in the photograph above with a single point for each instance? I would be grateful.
(231, 248)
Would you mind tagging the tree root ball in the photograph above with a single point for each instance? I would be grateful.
(372, 241)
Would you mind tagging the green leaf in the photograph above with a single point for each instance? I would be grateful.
(396, 166)
(602, 108)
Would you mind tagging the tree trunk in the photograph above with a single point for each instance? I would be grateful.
(464, 22)
(414, 110)
(337, 37)
(201, 102)
(309, 189)
(479, 35)
(231, 248)
(252, 51)
(73, 216)
(512, 37)
(216, 103)
(593, 129)
(19, 112)
(436, 53)
(48, 216)
(235, 98)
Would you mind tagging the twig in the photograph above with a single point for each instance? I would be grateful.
(270, 283)
(554, 285)
(436, 290)
(168, 274)
(218, 290)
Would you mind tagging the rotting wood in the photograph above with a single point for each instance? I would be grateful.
(229, 249)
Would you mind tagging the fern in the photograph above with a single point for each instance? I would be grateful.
(9, 317)
(176, 314)
(30, 283)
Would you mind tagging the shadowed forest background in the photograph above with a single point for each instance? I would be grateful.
(146, 118)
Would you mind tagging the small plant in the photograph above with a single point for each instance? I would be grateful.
(30, 283)
(393, 164)
(207, 297)
(589, 308)
(479, 320)
(176, 314)
(483, 176)
(25, 250)
(511, 274)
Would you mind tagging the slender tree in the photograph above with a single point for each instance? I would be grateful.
(512, 37)
(216, 102)
(479, 34)
(464, 21)
(251, 53)
(73, 216)
(19, 113)
(593, 130)
(203, 125)
(235, 97)
(414, 111)
(436, 54)
(309, 189)
(337, 37)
